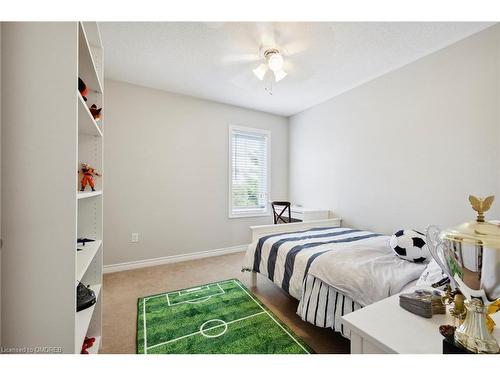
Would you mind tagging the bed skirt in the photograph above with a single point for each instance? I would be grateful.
(322, 305)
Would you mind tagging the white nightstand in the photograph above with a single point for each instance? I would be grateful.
(385, 327)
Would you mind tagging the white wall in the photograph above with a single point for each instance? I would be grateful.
(166, 172)
(39, 219)
(406, 149)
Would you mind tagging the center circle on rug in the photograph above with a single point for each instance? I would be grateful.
(213, 328)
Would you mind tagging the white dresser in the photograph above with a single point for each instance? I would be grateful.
(308, 214)
(385, 327)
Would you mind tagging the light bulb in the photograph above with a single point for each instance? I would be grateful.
(260, 71)
(275, 62)
(279, 75)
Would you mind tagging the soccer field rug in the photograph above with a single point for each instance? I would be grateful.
(222, 317)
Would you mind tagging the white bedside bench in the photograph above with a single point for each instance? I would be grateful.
(385, 327)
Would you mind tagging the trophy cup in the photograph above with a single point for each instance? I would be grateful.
(470, 256)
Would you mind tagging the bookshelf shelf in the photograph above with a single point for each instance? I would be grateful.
(88, 194)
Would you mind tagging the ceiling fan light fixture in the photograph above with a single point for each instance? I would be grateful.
(279, 75)
(260, 71)
(274, 60)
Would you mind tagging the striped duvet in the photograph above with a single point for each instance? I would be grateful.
(331, 271)
(285, 258)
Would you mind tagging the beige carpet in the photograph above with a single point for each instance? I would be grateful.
(121, 290)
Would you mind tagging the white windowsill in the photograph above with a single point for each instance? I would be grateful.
(249, 214)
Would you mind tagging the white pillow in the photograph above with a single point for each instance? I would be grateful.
(432, 274)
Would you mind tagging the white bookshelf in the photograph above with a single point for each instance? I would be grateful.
(90, 203)
(88, 194)
(48, 131)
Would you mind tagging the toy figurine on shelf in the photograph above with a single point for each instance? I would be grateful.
(88, 174)
(82, 89)
(96, 113)
(87, 343)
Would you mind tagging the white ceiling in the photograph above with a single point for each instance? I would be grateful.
(215, 60)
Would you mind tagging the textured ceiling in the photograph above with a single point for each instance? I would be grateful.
(215, 60)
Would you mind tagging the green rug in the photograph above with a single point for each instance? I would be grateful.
(223, 317)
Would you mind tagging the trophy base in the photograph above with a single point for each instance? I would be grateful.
(473, 334)
(451, 347)
(476, 344)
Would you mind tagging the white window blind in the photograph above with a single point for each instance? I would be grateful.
(249, 171)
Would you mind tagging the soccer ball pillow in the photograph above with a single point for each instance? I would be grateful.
(410, 245)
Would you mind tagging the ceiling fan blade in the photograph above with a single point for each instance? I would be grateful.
(266, 34)
(240, 58)
(294, 48)
(242, 37)
(297, 71)
(246, 80)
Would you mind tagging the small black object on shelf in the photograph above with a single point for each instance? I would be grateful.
(83, 241)
(85, 297)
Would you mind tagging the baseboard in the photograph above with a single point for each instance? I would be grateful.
(110, 268)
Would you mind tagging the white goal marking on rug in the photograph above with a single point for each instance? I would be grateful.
(199, 299)
(192, 290)
(214, 327)
(145, 332)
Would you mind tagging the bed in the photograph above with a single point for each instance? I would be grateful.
(331, 270)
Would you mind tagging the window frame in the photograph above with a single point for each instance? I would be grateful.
(249, 213)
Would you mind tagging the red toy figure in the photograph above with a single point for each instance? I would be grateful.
(89, 342)
(88, 176)
(96, 112)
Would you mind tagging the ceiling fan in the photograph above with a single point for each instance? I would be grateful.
(275, 47)
(271, 69)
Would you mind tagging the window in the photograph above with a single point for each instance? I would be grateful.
(249, 166)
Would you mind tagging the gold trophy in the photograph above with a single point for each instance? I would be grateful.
(470, 255)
